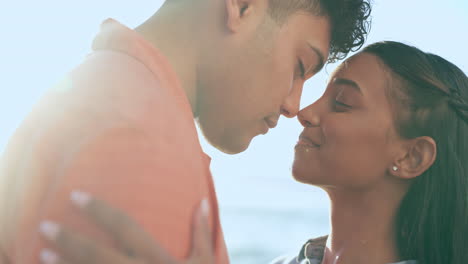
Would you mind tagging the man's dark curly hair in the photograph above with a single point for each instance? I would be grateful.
(350, 20)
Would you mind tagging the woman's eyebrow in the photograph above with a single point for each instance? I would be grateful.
(348, 82)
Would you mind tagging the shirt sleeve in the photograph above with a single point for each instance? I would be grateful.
(114, 139)
(121, 167)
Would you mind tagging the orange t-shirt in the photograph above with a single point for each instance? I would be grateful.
(120, 127)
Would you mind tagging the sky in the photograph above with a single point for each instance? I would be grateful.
(42, 40)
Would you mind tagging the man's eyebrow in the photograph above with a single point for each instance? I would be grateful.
(348, 83)
(321, 58)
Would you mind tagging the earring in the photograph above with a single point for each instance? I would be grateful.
(395, 168)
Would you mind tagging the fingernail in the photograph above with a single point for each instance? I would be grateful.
(80, 199)
(48, 256)
(49, 229)
(205, 207)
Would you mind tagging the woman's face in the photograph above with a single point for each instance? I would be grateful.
(349, 136)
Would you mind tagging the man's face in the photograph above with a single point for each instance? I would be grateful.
(258, 74)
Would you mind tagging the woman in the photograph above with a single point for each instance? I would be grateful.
(388, 142)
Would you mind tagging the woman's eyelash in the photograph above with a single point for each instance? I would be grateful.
(340, 104)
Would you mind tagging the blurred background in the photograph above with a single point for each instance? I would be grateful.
(265, 213)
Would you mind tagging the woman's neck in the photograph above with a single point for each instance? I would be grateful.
(362, 227)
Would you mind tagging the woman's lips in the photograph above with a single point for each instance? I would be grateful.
(305, 141)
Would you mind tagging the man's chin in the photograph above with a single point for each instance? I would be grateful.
(233, 146)
(233, 149)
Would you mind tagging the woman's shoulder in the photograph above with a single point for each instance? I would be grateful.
(312, 251)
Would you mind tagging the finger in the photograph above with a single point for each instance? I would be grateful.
(202, 241)
(78, 249)
(48, 256)
(127, 233)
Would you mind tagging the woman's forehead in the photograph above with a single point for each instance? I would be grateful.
(366, 70)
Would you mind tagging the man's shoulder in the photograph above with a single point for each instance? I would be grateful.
(124, 88)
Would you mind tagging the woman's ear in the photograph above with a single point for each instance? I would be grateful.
(419, 155)
(237, 12)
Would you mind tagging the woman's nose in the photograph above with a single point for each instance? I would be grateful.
(309, 116)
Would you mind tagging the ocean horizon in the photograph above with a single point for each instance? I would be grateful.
(265, 219)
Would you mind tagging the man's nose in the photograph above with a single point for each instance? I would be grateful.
(291, 105)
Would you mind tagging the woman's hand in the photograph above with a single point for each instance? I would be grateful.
(135, 245)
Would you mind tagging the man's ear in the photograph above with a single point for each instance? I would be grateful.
(238, 11)
(419, 155)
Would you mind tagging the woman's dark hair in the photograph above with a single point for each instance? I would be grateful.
(430, 98)
(350, 20)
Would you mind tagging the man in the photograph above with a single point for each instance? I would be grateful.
(120, 126)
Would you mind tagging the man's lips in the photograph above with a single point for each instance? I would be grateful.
(271, 123)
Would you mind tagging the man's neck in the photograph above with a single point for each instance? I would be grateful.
(363, 228)
(173, 31)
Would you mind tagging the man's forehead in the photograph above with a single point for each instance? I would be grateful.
(317, 32)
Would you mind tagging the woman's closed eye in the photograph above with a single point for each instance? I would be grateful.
(339, 106)
(340, 102)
